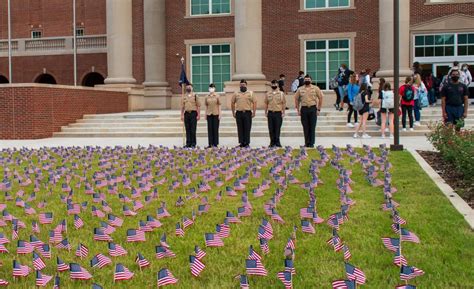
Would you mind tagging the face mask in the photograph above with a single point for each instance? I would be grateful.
(274, 87)
(212, 89)
(455, 78)
(464, 68)
(243, 89)
(188, 90)
(307, 82)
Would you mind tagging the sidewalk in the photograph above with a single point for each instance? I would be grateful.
(410, 143)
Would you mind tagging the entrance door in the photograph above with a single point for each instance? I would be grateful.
(441, 69)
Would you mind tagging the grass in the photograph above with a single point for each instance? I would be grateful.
(445, 253)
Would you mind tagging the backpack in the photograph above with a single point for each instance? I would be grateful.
(387, 99)
(423, 97)
(358, 104)
(408, 94)
(295, 84)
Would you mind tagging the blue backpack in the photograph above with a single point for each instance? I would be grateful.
(408, 94)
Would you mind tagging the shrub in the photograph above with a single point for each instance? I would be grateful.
(456, 147)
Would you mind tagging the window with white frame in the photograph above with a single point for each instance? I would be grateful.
(210, 64)
(324, 57)
(36, 34)
(324, 4)
(445, 44)
(210, 7)
(80, 32)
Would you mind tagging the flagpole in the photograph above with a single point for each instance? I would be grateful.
(74, 40)
(182, 103)
(9, 44)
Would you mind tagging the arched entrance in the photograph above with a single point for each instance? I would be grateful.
(45, 78)
(3, 79)
(92, 79)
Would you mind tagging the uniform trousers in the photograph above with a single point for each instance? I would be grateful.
(190, 123)
(244, 125)
(213, 130)
(309, 118)
(275, 120)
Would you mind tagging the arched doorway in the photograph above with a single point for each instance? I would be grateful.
(3, 79)
(92, 79)
(45, 78)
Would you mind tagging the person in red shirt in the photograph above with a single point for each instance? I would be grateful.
(407, 101)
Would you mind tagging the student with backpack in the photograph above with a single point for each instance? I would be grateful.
(387, 108)
(362, 105)
(298, 82)
(353, 89)
(421, 97)
(407, 101)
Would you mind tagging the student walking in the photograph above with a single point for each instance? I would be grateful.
(365, 98)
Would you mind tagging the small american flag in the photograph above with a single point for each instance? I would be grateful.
(114, 221)
(410, 272)
(179, 231)
(255, 267)
(100, 261)
(196, 266)
(135, 235)
(276, 217)
(199, 252)
(3, 282)
(163, 252)
(347, 253)
(344, 284)
(61, 265)
(38, 263)
(232, 218)
(307, 227)
(213, 240)
(20, 270)
(307, 213)
(264, 246)
(57, 282)
(253, 255)
(116, 250)
(152, 222)
(35, 242)
(286, 278)
(244, 281)
(263, 233)
(165, 278)
(291, 244)
(23, 247)
(244, 212)
(45, 251)
(82, 251)
(409, 236)
(122, 273)
(354, 273)
(42, 279)
(35, 227)
(78, 223)
(406, 286)
(290, 266)
(187, 222)
(391, 243)
(46, 218)
(99, 235)
(77, 272)
(141, 261)
(64, 244)
(399, 259)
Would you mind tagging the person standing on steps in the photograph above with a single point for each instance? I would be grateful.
(213, 115)
(244, 106)
(275, 105)
(407, 101)
(454, 100)
(308, 103)
(190, 114)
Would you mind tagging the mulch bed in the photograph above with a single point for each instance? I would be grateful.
(450, 175)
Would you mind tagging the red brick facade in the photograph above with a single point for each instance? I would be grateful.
(419, 12)
(37, 111)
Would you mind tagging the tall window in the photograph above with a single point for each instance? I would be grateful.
(323, 58)
(36, 34)
(210, 64)
(210, 7)
(446, 44)
(321, 4)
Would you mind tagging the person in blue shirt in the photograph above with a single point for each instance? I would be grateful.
(352, 90)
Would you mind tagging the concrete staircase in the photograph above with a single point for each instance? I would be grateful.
(167, 123)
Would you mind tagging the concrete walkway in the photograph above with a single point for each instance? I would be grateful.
(411, 143)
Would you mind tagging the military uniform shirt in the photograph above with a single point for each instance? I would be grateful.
(275, 100)
(190, 102)
(212, 102)
(309, 96)
(243, 100)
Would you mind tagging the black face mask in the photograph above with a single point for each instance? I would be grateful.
(455, 78)
(274, 87)
(243, 89)
(307, 82)
(188, 90)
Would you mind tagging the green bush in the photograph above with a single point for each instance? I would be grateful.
(456, 147)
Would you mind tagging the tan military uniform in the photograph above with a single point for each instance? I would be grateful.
(212, 103)
(276, 101)
(190, 102)
(309, 96)
(243, 100)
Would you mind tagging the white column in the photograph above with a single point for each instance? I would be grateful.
(155, 42)
(119, 42)
(248, 40)
(386, 38)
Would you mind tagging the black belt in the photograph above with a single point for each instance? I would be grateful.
(244, 111)
(273, 111)
(309, 106)
(190, 111)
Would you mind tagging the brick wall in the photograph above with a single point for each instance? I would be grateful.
(36, 111)
(138, 42)
(27, 68)
(419, 12)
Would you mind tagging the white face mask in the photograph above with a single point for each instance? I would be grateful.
(212, 89)
(464, 68)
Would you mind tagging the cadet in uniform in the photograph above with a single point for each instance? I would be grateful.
(213, 115)
(308, 103)
(243, 106)
(190, 114)
(275, 104)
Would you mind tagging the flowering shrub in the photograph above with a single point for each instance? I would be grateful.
(456, 147)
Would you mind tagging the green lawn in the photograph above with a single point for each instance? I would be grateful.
(446, 251)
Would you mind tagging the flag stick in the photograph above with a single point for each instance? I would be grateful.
(182, 103)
